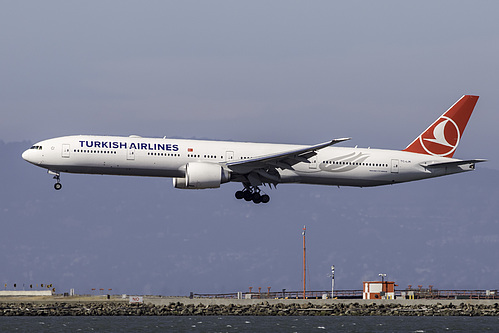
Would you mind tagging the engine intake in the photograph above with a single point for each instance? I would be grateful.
(202, 175)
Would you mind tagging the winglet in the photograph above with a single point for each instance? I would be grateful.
(443, 136)
(322, 145)
(335, 141)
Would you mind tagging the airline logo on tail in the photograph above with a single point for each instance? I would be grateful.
(436, 140)
(443, 136)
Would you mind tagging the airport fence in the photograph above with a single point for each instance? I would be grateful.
(356, 294)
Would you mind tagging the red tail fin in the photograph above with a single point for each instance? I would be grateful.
(443, 136)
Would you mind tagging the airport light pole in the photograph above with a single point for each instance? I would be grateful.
(383, 275)
(332, 281)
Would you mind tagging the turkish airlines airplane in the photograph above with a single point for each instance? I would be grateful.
(201, 164)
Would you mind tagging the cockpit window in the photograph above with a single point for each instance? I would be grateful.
(36, 147)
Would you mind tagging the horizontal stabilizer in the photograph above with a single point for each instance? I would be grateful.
(453, 163)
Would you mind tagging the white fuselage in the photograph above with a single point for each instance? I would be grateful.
(166, 157)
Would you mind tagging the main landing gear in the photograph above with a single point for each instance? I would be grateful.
(57, 177)
(252, 194)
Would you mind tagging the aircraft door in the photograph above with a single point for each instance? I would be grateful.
(130, 154)
(229, 156)
(395, 166)
(65, 150)
(313, 161)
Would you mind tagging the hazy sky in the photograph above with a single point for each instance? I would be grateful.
(279, 71)
(140, 235)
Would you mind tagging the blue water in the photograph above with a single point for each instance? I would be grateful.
(249, 324)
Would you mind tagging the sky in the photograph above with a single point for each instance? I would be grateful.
(279, 71)
(264, 71)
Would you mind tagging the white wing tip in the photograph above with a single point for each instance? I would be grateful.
(341, 140)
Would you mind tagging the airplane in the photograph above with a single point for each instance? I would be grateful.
(203, 164)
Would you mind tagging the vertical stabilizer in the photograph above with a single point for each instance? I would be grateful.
(443, 136)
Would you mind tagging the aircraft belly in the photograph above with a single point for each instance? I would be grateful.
(343, 181)
(117, 170)
(351, 178)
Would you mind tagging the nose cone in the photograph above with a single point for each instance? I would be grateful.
(30, 156)
(25, 155)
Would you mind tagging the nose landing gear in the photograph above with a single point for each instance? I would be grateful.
(252, 194)
(57, 177)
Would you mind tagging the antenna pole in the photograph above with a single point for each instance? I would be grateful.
(304, 263)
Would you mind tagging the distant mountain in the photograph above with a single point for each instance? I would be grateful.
(140, 235)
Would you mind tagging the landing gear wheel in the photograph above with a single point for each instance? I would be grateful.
(57, 186)
(257, 198)
(239, 195)
(265, 198)
(248, 196)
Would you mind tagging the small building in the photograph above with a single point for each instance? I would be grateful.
(378, 290)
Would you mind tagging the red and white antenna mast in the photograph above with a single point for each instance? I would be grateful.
(304, 263)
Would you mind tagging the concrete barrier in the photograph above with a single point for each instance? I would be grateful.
(15, 293)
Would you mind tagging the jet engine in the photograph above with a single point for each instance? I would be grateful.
(200, 175)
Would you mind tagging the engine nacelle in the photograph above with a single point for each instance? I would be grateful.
(200, 175)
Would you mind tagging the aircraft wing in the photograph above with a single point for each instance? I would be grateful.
(283, 160)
